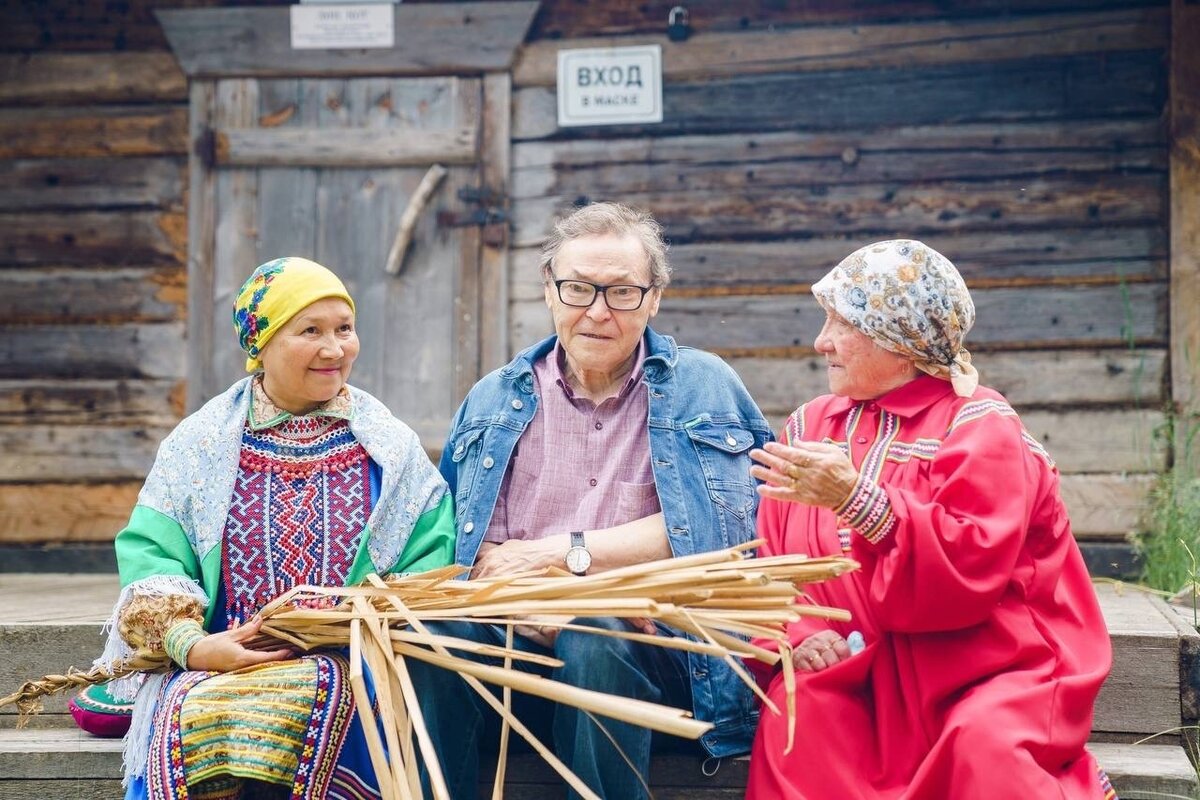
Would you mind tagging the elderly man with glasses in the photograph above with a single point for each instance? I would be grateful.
(603, 446)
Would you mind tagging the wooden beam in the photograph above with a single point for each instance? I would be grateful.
(37, 453)
(120, 294)
(986, 259)
(495, 160)
(300, 147)
(1106, 506)
(65, 512)
(1185, 230)
(90, 237)
(568, 20)
(107, 352)
(811, 49)
(93, 132)
(739, 163)
(78, 401)
(905, 209)
(431, 39)
(1123, 84)
(779, 326)
(201, 251)
(49, 78)
(62, 183)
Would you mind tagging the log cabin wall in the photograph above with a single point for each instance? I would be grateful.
(1024, 139)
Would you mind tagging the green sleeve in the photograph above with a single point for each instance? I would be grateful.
(431, 543)
(154, 544)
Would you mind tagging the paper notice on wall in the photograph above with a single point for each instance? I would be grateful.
(610, 86)
(324, 27)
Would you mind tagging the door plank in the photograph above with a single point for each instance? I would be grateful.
(343, 148)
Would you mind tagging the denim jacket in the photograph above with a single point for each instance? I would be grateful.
(702, 425)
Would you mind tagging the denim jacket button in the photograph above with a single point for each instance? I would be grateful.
(470, 526)
(488, 462)
(517, 404)
(729, 440)
(458, 451)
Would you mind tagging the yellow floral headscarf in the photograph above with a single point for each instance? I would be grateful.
(273, 294)
(910, 300)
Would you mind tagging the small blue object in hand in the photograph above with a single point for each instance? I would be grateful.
(855, 642)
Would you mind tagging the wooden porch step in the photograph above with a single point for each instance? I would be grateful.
(67, 764)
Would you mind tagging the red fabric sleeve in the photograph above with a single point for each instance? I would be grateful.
(949, 557)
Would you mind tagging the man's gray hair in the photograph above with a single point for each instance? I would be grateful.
(598, 219)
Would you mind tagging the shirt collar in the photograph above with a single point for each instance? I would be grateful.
(558, 358)
(904, 401)
(265, 414)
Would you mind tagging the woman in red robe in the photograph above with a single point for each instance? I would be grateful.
(976, 646)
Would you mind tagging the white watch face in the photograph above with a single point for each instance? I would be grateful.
(578, 560)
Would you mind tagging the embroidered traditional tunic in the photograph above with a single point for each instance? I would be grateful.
(303, 494)
(985, 646)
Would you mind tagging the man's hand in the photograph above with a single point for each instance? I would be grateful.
(229, 650)
(519, 555)
(535, 628)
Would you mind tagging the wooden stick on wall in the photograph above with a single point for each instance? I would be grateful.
(408, 221)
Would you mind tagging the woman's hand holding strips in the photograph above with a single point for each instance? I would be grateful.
(234, 649)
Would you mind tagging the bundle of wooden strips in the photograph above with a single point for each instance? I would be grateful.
(720, 599)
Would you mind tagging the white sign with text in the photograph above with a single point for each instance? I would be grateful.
(318, 27)
(610, 86)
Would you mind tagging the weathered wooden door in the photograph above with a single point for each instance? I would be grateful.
(320, 158)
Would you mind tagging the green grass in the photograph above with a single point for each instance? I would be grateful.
(1170, 540)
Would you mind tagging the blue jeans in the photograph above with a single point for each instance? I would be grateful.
(458, 719)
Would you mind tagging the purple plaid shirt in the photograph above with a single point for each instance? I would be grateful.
(578, 466)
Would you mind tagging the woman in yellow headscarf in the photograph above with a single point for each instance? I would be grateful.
(289, 477)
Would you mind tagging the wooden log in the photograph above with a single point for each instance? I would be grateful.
(1100, 441)
(35, 453)
(1185, 229)
(114, 295)
(51, 78)
(1102, 135)
(441, 39)
(1106, 506)
(93, 132)
(1037, 379)
(1108, 85)
(109, 352)
(911, 210)
(785, 326)
(71, 401)
(809, 49)
(344, 148)
(88, 237)
(560, 19)
(65, 512)
(45, 184)
(735, 163)
(986, 259)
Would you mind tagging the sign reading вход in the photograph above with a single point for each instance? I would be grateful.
(610, 86)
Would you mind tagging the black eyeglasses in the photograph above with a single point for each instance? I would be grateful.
(618, 297)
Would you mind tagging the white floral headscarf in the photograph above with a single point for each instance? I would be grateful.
(910, 300)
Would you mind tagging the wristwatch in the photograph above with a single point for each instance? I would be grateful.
(579, 558)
